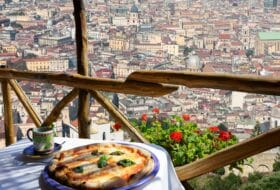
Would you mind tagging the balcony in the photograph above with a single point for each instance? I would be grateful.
(140, 83)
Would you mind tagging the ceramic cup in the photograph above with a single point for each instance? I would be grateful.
(43, 140)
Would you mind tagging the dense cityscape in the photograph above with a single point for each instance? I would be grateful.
(232, 36)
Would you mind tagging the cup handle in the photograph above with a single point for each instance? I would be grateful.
(28, 134)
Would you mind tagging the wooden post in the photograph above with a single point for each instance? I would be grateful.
(8, 115)
(82, 63)
(26, 103)
(52, 117)
(118, 116)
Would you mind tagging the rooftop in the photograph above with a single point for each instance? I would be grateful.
(269, 35)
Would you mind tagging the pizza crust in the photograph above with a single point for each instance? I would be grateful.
(79, 167)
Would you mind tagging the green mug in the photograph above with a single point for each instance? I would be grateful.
(43, 140)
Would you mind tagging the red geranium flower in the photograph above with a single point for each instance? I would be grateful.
(186, 117)
(117, 126)
(144, 117)
(176, 136)
(156, 110)
(214, 129)
(224, 135)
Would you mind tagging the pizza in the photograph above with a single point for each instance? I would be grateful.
(101, 166)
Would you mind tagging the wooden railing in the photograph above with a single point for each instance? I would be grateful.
(143, 83)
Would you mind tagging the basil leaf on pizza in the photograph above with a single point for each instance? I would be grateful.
(125, 162)
(102, 162)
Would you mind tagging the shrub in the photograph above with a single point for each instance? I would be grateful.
(232, 182)
(251, 186)
(276, 164)
(213, 183)
(270, 182)
(220, 171)
(253, 177)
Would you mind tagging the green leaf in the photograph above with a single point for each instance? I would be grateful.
(102, 162)
(125, 162)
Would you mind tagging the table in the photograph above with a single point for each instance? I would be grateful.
(19, 172)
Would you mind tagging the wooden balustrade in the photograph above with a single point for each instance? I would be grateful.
(143, 83)
(118, 116)
(230, 155)
(251, 84)
(26, 103)
(53, 116)
(89, 83)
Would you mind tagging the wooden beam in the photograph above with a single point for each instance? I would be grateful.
(10, 137)
(25, 102)
(251, 84)
(82, 64)
(52, 117)
(118, 116)
(230, 155)
(89, 83)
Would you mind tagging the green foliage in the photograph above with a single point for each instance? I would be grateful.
(213, 183)
(187, 50)
(37, 17)
(238, 164)
(269, 182)
(276, 164)
(253, 177)
(249, 52)
(232, 182)
(257, 130)
(251, 186)
(256, 181)
(190, 145)
(207, 182)
(220, 171)
(222, 127)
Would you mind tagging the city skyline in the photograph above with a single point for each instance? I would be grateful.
(125, 36)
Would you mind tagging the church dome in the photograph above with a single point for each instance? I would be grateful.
(193, 62)
(134, 9)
